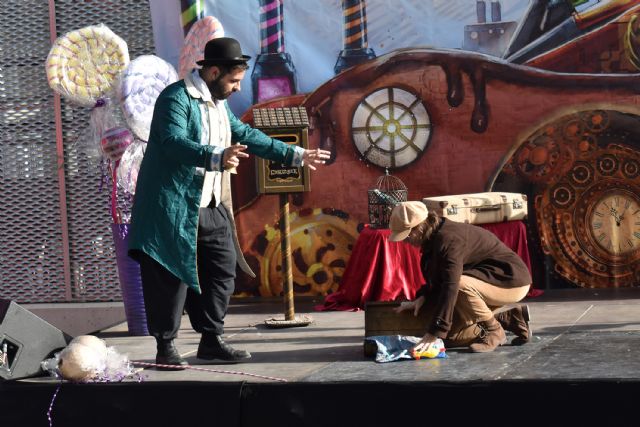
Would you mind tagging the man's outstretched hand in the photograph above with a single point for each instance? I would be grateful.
(232, 155)
(311, 158)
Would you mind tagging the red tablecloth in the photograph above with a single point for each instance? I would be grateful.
(380, 270)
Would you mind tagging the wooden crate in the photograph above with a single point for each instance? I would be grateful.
(379, 319)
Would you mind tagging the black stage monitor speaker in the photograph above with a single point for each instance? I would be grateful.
(25, 341)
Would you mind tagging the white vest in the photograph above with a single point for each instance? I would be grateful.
(215, 130)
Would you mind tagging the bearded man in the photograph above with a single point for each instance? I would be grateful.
(182, 228)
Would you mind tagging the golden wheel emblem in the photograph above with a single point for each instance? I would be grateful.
(391, 128)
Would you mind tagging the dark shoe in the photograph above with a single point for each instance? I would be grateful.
(213, 347)
(169, 357)
(517, 321)
(492, 335)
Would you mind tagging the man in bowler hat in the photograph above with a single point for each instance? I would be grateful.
(182, 227)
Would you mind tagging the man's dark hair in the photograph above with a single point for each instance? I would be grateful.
(227, 68)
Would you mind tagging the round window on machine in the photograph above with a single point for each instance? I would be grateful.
(391, 127)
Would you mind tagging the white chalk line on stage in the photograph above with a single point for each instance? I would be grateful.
(574, 323)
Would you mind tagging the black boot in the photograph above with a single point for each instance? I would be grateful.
(168, 355)
(213, 347)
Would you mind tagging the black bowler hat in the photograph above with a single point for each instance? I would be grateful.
(223, 50)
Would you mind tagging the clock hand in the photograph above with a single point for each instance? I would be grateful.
(613, 212)
(616, 217)
(622, 214)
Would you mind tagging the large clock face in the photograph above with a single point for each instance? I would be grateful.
(615, 222)
(586, 170)
(391, 127)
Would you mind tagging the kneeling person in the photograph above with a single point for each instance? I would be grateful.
(470, 274)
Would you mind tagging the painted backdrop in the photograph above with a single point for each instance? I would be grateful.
(450, 97)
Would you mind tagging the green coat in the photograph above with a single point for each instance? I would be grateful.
(164, 219)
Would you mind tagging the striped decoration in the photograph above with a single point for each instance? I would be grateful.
(192, 10)
(355, 24)
(271, 26)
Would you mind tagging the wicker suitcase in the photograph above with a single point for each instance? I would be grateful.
(480, 208)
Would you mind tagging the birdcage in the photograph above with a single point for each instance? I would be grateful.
(388, 192)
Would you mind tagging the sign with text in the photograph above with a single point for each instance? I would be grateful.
(275, 177)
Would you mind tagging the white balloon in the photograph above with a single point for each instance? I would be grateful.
(91, 341)
(79, 362)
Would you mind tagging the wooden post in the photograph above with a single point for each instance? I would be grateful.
(290, 320)
(285, 249)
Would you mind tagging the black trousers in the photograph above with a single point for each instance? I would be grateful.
(165, 296)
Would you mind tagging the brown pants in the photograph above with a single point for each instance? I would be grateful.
(477, 302)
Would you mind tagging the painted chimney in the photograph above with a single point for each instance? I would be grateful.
(496, 12)
(354, 40)
(191, 11)
(481, 11)
(274, 73)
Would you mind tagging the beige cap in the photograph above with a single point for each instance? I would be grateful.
(404, 217)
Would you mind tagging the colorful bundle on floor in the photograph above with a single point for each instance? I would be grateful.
(391, 348)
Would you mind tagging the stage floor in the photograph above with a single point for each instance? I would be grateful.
(578, 334)
(584, 358)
